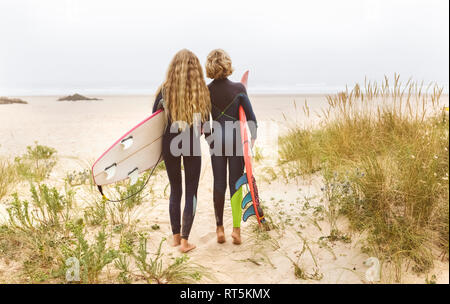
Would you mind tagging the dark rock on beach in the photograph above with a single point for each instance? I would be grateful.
(6, 100)
(76, 97)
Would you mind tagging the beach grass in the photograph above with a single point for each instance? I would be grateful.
(37, 163)
(383, 152)
(154, 270)
(8, 177)
(56, 240)
(34, 165)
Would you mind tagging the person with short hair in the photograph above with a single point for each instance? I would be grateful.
(226, 98)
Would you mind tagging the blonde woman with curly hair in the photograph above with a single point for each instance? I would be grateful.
(183, 94)
(226, 97)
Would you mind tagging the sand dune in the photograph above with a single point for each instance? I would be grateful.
(80, 132)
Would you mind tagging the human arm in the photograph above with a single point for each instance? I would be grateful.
(156, 105)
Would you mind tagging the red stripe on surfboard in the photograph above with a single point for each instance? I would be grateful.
(248, 161)
(125, 135)
(247, 155)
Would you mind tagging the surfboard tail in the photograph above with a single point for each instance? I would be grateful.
(256, 204)
(248, 178)
(250, 197)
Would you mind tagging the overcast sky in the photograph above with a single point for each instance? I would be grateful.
(124, 46)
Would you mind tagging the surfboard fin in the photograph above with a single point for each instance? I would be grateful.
(248, 213)
(133, 175)
(110, 171)
(247, 199)
(127, 142)
(241, 181)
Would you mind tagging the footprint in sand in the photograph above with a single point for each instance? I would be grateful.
(207, 238)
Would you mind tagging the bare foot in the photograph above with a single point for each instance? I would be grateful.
(236, 235)
(185, 246)
(176, 240)
(220, 234)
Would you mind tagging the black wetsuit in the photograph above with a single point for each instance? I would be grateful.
(192, 167)
(226, 97)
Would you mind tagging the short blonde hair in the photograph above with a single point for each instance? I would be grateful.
(218, 64)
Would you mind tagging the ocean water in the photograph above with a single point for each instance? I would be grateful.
(150, 89)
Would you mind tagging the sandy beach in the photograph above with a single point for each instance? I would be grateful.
(81, 131)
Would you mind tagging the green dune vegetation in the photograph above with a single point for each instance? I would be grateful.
(51, 231)
(76, 97)
(382, 151)
(7, 177)
(7, 100)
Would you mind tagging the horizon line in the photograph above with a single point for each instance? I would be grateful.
(279, 90)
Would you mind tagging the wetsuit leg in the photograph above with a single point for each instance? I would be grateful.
(236, 170)
(192, 168)
(219, 166)
(173, 168)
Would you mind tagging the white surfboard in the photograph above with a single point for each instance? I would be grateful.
(133, 153)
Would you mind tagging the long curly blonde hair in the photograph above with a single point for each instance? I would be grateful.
(184, 90)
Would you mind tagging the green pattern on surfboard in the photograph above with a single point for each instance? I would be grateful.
(236, 208)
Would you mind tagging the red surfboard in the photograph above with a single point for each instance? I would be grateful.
(255, 208)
